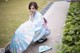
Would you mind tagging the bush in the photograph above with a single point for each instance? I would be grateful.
(71, 31)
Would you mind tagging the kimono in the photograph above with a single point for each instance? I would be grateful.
(28, 32)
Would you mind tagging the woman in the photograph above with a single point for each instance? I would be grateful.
(34, 30)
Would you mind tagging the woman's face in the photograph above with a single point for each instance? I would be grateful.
(32, 9)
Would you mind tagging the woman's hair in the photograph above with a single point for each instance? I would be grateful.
(33, 4)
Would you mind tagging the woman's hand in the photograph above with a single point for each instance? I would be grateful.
(31, 15)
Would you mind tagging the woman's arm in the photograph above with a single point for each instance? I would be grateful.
(31, 16)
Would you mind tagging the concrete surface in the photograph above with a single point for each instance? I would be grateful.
(56, 16)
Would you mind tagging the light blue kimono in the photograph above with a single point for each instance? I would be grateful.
(28, 32)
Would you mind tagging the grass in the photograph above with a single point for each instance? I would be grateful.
(12, 14)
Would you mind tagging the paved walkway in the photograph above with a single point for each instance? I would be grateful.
(56, 16)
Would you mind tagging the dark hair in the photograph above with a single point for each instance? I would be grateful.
(33, 4)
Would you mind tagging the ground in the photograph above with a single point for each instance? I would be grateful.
(12, 14)
(56, 16)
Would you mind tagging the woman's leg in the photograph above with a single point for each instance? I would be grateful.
(41, 35)
(44, 38)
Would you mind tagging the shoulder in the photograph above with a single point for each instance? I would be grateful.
(38, 13)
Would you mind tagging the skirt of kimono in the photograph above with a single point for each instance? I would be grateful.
(24, 35)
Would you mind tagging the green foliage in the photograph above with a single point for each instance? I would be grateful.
(71, 32)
